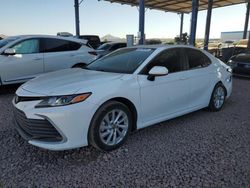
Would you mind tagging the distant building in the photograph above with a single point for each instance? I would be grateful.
(232, 36)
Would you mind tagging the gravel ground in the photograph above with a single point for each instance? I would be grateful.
(202, 149)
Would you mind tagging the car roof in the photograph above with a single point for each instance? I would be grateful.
(73, 39)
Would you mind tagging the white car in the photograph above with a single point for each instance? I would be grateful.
(25, 57)
(126, 90)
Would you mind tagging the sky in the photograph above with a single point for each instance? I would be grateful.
(101, 18)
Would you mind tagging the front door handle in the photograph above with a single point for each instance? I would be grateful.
(38, 59)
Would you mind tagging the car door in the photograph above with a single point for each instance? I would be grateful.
(200, 76)
(166, 95)
(27, 62)
(60, 54)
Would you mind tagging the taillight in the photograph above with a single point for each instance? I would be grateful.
(93, 53)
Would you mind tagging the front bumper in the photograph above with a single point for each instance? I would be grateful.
(69, 124)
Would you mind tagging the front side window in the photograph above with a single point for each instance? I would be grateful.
(122, 61)
(30, 46)
(197, 59)
(171, 59)
(59, 45)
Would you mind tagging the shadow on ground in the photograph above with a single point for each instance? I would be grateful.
(9, 89)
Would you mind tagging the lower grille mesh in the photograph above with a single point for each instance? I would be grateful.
(33, 129)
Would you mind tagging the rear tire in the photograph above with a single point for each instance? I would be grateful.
(110, 126)
(217, 98)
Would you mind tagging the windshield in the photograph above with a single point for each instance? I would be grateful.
(122, 61)
(6, 41)
(104, 47)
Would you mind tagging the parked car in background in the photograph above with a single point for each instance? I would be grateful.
(93, 40)
(153, 41)
(106, 48)
(25, 57)
(6, 41)
(129, 89)
(64, 34)
(240, 64)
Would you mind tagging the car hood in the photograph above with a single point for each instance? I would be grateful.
(67, 82)
(244, 58)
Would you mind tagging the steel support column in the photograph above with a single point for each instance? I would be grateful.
(141, 21)
(77, 18)
(195, 8)
(246, 21)
(181, 26)
(208, 23)
(248, 43)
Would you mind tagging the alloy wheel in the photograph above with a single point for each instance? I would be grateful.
(219, 97)
(114, 127)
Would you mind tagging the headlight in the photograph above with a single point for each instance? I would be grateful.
(62, 100)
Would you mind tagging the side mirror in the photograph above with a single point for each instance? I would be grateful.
(157, 71)
(9, 51)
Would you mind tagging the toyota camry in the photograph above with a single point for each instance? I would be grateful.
(127, 90)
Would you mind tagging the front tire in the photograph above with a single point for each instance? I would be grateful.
(218, 98)
(110, 126)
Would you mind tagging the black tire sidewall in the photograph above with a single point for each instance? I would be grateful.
(94, 136)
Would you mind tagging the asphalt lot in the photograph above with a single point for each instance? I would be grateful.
(201, 149)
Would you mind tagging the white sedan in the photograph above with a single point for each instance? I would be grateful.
(27, 56)
(127, 90)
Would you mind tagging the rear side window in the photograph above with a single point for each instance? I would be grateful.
(197, 59)
(59, 45)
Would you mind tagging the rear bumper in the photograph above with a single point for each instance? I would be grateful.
(228, 84)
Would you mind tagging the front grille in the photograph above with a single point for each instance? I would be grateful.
(23, 99)
(33, 129)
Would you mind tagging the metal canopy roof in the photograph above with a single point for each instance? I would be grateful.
(179, 6)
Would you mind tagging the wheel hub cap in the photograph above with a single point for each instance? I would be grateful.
(114, 127)
(219, 97)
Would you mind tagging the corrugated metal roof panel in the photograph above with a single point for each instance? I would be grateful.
(184, 6)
